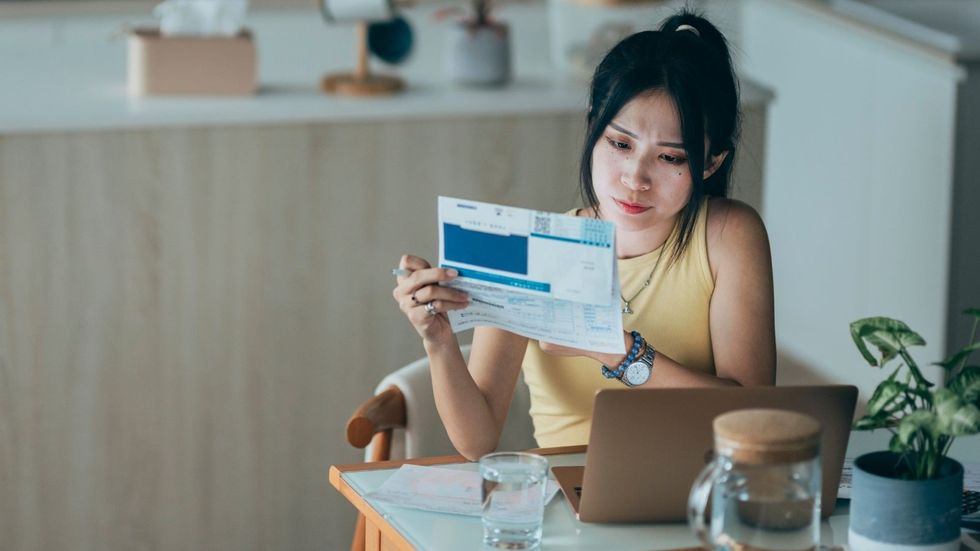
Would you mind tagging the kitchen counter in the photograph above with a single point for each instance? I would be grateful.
(71, 75)
(948, 26)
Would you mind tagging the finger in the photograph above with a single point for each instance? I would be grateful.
(412, 262)
(440, 307)
(438, 292)
(428, 276)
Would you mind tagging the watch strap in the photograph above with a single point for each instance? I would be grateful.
(616, 373)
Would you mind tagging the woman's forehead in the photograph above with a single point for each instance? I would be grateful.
(652, 112)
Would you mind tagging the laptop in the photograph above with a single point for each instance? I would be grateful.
(647, 446)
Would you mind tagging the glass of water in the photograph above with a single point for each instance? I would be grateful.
(513, 492)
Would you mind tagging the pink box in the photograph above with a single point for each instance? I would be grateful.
(208, 65)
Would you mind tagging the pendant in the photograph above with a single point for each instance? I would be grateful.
(626, 309)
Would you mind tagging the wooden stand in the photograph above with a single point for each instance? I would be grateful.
(361, 82)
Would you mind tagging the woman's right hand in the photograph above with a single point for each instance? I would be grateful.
(420, 288)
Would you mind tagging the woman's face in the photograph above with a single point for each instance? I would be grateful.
(639, 167)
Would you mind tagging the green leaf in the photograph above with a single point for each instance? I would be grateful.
(922, 420)
(857, 335)
(952, 361)
(955, 418)
(966, 384)
(895, 445)
(975, 312)
(870, 422)
(888, 335)
(884, 395)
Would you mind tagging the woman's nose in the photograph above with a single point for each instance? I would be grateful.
(636, 178)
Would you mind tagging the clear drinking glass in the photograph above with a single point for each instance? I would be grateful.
(513, 499)
(763, 484)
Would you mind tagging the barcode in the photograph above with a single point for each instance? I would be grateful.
(542, 224)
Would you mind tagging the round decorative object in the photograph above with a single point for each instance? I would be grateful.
(767, 436)
(390, 41)
(889, 513)
(479, 55)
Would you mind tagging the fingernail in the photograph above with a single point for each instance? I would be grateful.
(451, 272)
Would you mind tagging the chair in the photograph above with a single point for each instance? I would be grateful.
(400, 422)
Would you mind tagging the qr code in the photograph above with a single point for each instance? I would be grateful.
(542, 223)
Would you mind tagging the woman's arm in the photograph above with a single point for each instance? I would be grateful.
(743, 334)
(473, 402)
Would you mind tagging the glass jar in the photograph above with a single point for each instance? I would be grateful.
(763, 483)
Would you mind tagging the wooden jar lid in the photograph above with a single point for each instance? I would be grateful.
(767, 436)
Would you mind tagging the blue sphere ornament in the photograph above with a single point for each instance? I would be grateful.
(390, 41)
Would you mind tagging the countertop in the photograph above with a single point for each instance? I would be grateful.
(69, 74)
(950, 26)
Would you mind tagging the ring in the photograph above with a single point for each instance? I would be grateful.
(430, 309)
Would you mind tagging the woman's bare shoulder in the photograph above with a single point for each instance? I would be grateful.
(734, 230)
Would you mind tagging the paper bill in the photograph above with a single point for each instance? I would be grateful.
(440, 490)
(546, 276)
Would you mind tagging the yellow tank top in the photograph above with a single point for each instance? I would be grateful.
(671, 314)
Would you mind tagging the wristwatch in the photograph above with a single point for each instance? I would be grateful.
(639, 371)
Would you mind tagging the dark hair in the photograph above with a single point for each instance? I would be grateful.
(695, 70)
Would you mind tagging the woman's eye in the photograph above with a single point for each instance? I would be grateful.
(674, 160)
(616, 144)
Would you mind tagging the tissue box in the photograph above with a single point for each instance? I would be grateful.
(212, 65)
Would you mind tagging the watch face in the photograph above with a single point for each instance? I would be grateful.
(637, 373)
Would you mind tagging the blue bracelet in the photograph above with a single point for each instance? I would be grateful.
(618, 372)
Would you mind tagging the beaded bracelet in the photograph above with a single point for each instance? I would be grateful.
(618, 372)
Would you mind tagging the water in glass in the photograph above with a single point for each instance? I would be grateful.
(513, 499)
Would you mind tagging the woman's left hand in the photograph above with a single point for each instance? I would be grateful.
(605, 359)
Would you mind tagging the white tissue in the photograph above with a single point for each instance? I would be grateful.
(201, 17)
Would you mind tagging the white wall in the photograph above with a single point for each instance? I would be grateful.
(858, 184)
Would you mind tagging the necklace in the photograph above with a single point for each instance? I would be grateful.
(626, 307)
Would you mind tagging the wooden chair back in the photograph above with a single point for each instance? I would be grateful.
(374, 420)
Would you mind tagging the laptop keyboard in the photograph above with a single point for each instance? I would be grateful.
(971, 502)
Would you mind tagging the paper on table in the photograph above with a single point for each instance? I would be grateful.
(439, 490)
(971, 477)
(542, 275)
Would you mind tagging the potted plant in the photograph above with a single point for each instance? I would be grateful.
(478, 47)
(910, 495)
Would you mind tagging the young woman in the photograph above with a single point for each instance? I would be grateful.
(695, 269)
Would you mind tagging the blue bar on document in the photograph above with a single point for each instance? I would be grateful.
(501, 280)
(597, 241)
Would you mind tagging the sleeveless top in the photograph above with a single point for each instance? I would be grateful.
(671, 314)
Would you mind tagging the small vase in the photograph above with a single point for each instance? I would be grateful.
(891, 514)
(479, 55)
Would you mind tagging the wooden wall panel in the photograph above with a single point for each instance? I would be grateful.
(187, 316)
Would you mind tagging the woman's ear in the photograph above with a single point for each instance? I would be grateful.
(714, 164)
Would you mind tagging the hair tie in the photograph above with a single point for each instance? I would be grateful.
(688, 28)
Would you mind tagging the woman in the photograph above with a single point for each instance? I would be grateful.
(695, 269)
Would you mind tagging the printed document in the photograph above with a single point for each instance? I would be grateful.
(439, 489)
(545, 276)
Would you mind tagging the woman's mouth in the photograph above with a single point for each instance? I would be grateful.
(631, 208)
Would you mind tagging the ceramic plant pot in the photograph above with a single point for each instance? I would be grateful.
(479, 55)
(891, 514)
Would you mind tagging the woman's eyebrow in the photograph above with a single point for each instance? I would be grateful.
(623, 130)
(618, 128)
